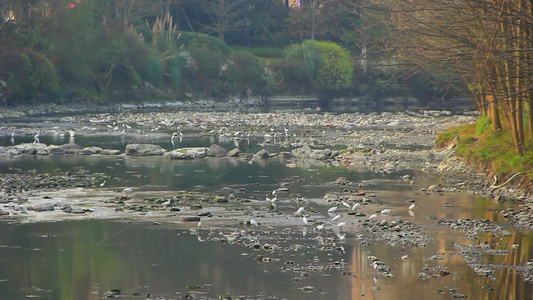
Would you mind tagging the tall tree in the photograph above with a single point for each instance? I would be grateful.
(487, 42)
(223, 16)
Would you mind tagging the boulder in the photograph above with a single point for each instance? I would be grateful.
(320, 154)
(55, 150)
(285, 154)
(42, 207)
(9, 151)
(187, 153)
(70, 148)
(144, 149)
(234, 152)
(216, 151)
(93, 149)
(30, 148)
(110, 152)
(262, 154)
(82, 152)
(302, 152)
(307, 152)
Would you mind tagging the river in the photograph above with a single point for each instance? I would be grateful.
(140, 254)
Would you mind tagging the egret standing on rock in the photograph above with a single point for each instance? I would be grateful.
(36, 137)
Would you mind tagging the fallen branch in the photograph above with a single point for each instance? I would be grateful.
(494, 186)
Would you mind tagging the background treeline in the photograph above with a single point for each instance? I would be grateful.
(122, 50)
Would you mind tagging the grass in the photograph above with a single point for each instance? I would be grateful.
(489, 151)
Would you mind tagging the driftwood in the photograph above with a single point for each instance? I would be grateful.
(494, 186)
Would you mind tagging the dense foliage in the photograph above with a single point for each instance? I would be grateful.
(115, 50)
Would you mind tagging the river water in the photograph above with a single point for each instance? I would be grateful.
(86, 259)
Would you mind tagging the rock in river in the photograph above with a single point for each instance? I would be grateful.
(186, 153)
(110, 152)
(144, 149)
(216, 151)
(55, 150)
(262, 154)
(234, 152)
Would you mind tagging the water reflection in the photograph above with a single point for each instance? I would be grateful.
(84, 260)
(90, 258)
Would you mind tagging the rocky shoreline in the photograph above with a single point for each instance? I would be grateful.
(381, 142)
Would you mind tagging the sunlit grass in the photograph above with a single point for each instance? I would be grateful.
(491, 152)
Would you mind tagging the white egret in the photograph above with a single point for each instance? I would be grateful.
(345, 204)
(300, 210)
(373, 216)
(273, 200)
(413, 206)
(127, 190)
(356, 206)
(335, 218)
(340, 224)
(386, 211)
(36, 137)
(333, 209)
(320, 226)
(306, 222)
(253, 222)
(102, 184)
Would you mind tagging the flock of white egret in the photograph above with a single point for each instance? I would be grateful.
(332, 211)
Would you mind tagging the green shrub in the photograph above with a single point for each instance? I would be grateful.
(191, 40)
(34, 79)
(326, 63)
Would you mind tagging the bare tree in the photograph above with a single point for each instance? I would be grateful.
(224, 15)
(488, 43)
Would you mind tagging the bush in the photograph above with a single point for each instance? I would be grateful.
(191, 40)
(326, 63)
(34, 78)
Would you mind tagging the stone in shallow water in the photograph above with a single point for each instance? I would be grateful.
(144, 149)
(234, 152)
(42, 207)
(262, 154)
(110, 152)
(187, 153)
(216, 151)
(55, 150)
(93, 149)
